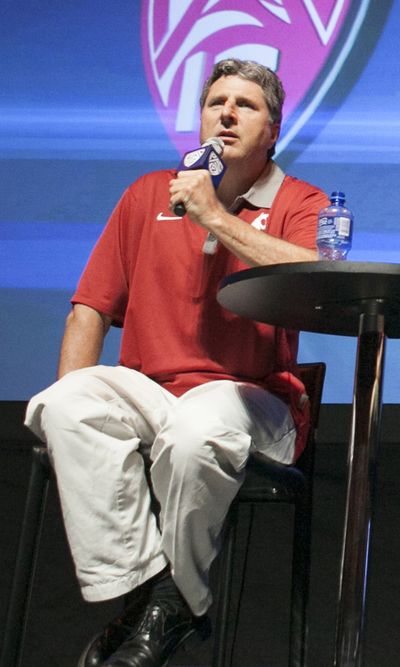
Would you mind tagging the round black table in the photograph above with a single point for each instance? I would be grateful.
(344, 298)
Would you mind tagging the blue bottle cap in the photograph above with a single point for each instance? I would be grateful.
(338, 197)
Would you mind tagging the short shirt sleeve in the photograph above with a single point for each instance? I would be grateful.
(104, 284)
(294, 214)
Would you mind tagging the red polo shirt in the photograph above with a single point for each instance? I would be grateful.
(149, 273)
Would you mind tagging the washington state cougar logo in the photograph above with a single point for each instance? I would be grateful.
(305, 41)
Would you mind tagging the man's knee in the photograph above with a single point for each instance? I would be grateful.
(189, 443)
(61, 404)
(185, 439)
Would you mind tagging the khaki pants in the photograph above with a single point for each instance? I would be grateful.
(94, 422)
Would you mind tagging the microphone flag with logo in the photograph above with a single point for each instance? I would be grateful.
(208, 157)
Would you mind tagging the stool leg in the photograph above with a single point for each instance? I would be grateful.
(224, 589)
(27, 553)
(300, 583)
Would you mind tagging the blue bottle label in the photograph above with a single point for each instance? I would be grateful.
(338, 227)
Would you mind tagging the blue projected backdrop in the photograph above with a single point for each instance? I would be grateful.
(95, 94)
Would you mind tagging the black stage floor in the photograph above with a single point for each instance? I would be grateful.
(60, 622)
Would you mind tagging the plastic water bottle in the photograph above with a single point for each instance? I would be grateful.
(335, 229)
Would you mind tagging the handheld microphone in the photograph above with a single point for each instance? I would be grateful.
(208, 156)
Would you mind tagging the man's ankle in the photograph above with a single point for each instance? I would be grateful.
(159, 585)
(163, 585)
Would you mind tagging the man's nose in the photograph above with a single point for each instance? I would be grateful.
(228, 114)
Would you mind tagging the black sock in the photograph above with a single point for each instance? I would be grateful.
(159, 585)
(163, 585)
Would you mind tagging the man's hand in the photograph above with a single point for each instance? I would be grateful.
(196, 191)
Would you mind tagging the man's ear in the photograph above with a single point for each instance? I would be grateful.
(275, 132)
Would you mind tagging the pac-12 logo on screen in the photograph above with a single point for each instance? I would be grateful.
(305, 41)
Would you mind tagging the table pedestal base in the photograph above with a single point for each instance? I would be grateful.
(363, 449)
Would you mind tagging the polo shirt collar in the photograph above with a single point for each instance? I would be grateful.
(262, 193)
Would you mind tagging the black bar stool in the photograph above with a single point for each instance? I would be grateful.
(266, 481)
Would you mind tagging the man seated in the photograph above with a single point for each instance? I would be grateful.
(197, 385)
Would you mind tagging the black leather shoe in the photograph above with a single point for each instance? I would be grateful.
(165, 625)
(107, 642)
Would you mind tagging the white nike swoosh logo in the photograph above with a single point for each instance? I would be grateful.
(161, 216)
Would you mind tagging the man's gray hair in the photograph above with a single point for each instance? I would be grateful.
(268, 81)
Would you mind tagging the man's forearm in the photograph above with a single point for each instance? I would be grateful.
(83, 339)
(256, 249)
